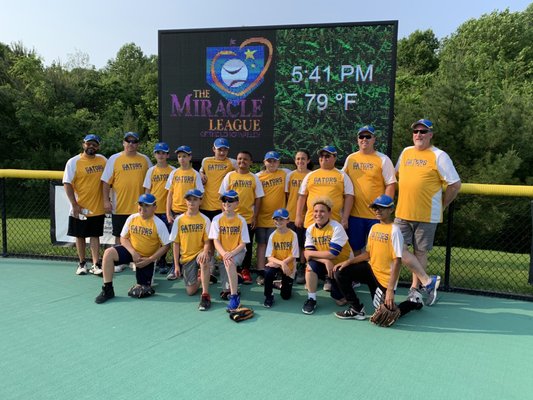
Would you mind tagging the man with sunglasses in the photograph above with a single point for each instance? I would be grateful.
(83, 187)
(123, 180)
(422, 171)
(372, 174)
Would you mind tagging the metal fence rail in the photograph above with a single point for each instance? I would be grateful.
(484, 245)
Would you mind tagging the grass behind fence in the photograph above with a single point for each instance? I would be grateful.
(470, 268)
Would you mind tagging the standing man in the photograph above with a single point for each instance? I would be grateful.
(422, 171)
(84, 191)
(124, 172)
(372, 174)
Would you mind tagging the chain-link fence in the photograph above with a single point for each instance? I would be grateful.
(484, 245)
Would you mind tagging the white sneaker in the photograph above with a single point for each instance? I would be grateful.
(120, 268)
(82, 269)
(96, 270)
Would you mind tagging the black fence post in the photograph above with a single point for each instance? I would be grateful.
(4, 216)
(448, 259)
(530, 280)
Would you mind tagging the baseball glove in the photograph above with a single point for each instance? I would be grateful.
(241, 314)
(141, 291)
(385, 317)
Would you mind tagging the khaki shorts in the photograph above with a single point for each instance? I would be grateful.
(418, 234)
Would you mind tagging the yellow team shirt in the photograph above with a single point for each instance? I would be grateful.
(180, 181)
(248, 187)
(191, 233)
(156, 180)
(421, 176)
(331, 237)
(146, 235)
(332, 184)
(292, 186)
(84, 174)
(385, 243)
(274, 188)
(231, 232)
(283, 245)
(369, 173)
(126, 176)
(215, 170)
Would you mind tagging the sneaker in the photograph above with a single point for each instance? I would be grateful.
(224, 295)
(205, 302)
(309, 306)
(431, 290)
(300, 274)
(172, 276)
(234, 302)
(352, 313)
(327, 285)
(213, 279)
(165, 269)
(260, 280)
(277, 284)
(414, 296)
(246, 276)
(82, 269)
(269, 301)
(96, 269)
(105, 294)
(120, 268)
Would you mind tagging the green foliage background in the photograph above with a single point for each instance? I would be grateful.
(296, 128)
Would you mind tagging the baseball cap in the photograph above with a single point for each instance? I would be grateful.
(230, 194)
(183, 149)
(281, 213)
(131, 134)
(194, 193)
(146, 198)
(272, 155)
(161, 146)
(221, 142)
(426, 122)
(93, 138)
(367, 128)
(328, 149)
(383, 201)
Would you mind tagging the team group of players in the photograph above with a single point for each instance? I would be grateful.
(309, 225)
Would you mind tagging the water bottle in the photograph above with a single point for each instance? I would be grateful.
(83, 214)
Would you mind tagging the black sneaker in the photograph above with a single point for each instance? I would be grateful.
(352, 313)
(105, 294)
(300, 274)
(205, 302)
(269, 301)
(309, 306)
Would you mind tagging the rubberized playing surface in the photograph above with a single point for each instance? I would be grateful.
(56, 343)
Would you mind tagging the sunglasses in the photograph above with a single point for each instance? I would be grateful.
(422, 131)
(368, 137)
(229, 200)
(132, 141)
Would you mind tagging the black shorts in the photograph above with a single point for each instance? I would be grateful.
(143, 275)
(300, 233)
(90, 227)
(118, 221)
(210, 213)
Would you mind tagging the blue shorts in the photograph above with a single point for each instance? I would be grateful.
(358, 230)
(322, 272)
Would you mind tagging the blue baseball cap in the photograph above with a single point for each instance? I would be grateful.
(183, 149)
(281, 213)
(220, 143)
(426, 122)
(272, 155)
(131, 134)
(194, 193)
(383, 201)
(230, 194)
(91, 138)
(146, 198)
(367, 128)
(161, 146)
(328, 149)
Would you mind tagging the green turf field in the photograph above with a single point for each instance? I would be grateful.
(58, 344)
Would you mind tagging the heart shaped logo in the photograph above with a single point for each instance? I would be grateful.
(235, 72)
